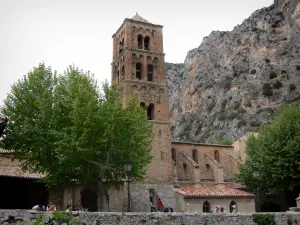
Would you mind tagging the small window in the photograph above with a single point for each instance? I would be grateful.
(143, 105)
(150, 112)
(123, 70)
(150, 72)
(207, 167)
(174, 155)
(206, 207)
(217, 156)
(233, 207)
(195, 155)
(147, 43)
(138, 72)
(184, 168)
(140, 42)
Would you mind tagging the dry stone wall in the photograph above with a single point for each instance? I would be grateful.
(18, 217)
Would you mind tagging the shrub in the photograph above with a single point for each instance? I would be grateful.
(235, 74)
(253, 71)
(267, 90)
(224, 142)
(272, 75)
(277, 84)
(263, 219)
(55, 218)
(292, 87)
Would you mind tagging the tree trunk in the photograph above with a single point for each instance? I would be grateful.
(102, 200)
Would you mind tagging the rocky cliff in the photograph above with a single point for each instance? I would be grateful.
(235, 81)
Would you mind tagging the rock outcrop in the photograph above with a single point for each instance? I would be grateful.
(235, 81)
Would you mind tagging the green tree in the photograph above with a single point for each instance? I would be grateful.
(275, 152)
(68, 128)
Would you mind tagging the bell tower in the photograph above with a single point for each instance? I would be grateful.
(139, 66)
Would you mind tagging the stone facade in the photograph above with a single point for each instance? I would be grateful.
(19, 217)
(196, 205)
(204, 162)
(139, 67)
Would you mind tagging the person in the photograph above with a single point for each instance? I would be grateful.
(233, 209)
(159, 204)
(168, 209)
(79, 206)
(51, 207)
(39, 207)
(217, 209)
(69, 208)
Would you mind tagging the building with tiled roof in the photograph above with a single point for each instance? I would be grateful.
(186, 176)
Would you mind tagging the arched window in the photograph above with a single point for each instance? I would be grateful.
(195, 155)
(147, 43)
(173, 154)
(233, 206)
(206, 207)
(217, 155)
(138, 71)
(150, 112)
(140, 42)
(123, 70)
(150, 72)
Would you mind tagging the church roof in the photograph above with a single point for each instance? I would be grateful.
(212, 190)
(18, 173)
(137, 17)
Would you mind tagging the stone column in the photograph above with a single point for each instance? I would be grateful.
(298, 201)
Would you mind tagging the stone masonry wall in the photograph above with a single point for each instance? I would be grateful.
(18, 217)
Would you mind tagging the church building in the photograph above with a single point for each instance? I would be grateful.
(191, 177)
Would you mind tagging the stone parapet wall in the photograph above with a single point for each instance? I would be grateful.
(18, 217)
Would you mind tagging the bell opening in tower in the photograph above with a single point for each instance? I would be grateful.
(150, 72)
(147, 43)
(139, 71)
(140, 42)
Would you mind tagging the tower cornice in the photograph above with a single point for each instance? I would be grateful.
(138, 22)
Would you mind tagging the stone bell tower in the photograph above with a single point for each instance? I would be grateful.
(139, 66)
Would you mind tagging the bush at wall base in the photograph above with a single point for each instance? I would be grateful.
(263, 219)
(55, 218)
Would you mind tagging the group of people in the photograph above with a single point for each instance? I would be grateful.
(40, 207)
(219, 209)
(52, 207)
(159, 206)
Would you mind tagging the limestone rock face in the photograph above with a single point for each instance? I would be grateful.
(235, 81)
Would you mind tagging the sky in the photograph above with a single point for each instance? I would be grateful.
(66, 32)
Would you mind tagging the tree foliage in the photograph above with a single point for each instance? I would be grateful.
(68, 128)
(275, 152)
(55, 218)
(267, 90)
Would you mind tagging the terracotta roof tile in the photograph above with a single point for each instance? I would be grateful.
(212, 190)
(18, 172)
